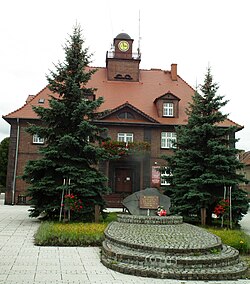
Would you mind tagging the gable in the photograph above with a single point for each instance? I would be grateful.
(168, 97)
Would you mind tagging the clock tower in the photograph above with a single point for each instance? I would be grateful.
(122, 64)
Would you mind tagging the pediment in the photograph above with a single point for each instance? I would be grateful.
(127, 113)
(168, 96)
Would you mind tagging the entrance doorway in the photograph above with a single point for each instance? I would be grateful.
(123, 180)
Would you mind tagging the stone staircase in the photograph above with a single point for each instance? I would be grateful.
(165, 247)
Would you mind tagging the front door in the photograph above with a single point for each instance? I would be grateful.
(123, 180)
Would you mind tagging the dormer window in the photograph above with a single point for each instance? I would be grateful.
(168, 109)
(128, 77)
(121, 77)
(118, 76)
(167, 105)
(41, 101)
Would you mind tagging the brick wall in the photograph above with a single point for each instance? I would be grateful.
(29, 151)
(123, 67)
(26, 151)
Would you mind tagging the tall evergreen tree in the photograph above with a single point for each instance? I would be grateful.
(205, 159)
(72, 147)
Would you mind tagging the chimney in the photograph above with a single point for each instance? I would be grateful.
(174, 72)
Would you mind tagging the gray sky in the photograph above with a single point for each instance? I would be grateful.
(194, 34)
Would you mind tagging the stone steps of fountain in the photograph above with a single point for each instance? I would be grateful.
(226, 257)
(168, 248)
(181, 273)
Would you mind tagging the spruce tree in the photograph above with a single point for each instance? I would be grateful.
(205, 159)
(72, 149)
(4, 150)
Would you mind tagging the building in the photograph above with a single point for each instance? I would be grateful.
(245, 160)
(145, 106)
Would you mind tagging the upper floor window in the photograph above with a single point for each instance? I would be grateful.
(168, 109)
(37, 139)
(168, 140)
(125, 137)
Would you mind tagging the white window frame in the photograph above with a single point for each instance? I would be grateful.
(37, 139)
(41, 101)
(125, 137)
(168, 109)
(168, 140)
(164, 174)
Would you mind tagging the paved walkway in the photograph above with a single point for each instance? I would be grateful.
(22, 262)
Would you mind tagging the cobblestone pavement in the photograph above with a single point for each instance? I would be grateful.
(23, 263)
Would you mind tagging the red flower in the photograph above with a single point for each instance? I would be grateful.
(72, 202)
(221, 208)
(161, 211)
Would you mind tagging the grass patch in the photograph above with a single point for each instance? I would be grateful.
(73, 234)
(234, 238)
(70, 234)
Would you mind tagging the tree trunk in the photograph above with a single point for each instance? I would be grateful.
(203, 216)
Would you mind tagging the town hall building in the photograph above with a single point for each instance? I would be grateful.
(144, 108)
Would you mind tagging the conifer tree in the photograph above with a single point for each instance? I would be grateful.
(72, 147)
(205, 159)
(4, 150)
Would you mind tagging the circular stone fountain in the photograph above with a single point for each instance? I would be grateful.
(165, 247)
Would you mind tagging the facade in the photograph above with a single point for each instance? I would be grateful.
(144, 107)
(245, 160)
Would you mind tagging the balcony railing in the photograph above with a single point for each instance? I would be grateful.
(111, 54)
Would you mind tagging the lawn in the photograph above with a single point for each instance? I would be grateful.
(73, 233)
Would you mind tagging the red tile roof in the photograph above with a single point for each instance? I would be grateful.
(245, 158)
(141, 95)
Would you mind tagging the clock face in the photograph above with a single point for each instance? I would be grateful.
(123, 45)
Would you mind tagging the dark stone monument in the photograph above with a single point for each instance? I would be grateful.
(144, 244)
(145, 202)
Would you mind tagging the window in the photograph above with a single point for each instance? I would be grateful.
(126, 115)
(168, 109)
(125, 137)
(118, 76)
(168, 140)
(41, 101)
(165, 173)
(37, 139)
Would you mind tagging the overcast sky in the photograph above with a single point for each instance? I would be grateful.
(194, 34)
